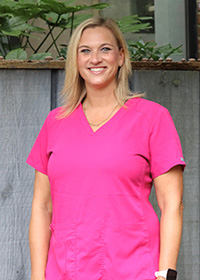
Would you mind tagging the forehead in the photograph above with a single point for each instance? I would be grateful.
(97, 34)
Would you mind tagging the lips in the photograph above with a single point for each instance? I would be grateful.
(97, 69)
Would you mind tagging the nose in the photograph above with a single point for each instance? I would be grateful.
(96, 57)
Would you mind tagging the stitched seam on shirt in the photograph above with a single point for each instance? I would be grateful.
(102, 258)
(148, 239)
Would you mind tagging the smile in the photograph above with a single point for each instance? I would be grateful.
(99, 69)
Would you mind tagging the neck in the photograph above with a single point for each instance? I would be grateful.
(100, 99)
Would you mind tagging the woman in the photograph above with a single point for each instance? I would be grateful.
(96, 159)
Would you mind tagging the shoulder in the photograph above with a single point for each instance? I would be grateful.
(53, 114)
(144, 105)
(149, 109)
(52, 118)
(55, 119)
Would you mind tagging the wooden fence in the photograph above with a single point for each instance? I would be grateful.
(26, 97)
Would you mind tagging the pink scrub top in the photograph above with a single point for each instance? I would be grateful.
(103, 225)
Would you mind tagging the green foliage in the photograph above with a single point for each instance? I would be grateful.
(17, 20)
(126, 24)
(39, 56)
(63, 51)
(17, 54)
(139, 50)
(133, 23)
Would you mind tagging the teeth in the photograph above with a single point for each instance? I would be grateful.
(96, 69)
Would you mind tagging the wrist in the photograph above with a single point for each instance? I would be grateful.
(33, 278)
(168, 274)
(37, 277)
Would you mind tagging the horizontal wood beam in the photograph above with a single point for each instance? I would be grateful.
(136, 65)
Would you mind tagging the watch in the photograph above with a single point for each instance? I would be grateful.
(168, 274)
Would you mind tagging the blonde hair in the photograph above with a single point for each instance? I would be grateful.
(74, 90)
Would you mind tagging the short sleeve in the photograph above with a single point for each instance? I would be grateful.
(38, 157)
(164, 143)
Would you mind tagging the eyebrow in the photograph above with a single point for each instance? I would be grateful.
(85, 46)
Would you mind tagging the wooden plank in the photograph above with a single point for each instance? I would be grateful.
(136, 65)
(24, 105)
(57, 83)
(179, 92)
(32, 64)
(157, 65)
(25, 100)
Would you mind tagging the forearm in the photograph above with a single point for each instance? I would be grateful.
(170, 236)
(39, 237)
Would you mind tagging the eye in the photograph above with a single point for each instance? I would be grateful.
(85, 51)
(106, 49)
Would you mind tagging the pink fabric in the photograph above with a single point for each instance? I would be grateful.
(103, 225)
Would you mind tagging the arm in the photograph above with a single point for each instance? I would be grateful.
(169, 191)
(39, 233)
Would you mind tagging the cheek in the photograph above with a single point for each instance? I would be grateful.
(80, 62)
(115, 64)
(115, 60)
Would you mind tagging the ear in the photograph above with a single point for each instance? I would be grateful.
(121, 57)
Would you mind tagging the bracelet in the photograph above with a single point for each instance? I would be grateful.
(168, 274)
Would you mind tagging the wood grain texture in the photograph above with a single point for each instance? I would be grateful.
(136, 65)
(26, 97)
(57, 83)
(157, 65)
(32, 64)
(24, 104)
(178, 91)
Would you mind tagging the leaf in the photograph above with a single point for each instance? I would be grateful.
(145, 18)
(69, 2)
(152, 44)
(78, 8)
(51, 17)
(63, 51)
(14, 33)
(35, 28)
(99, 6)
(30, 9)
(133, 24)
(52, 6)
(16, 25)
(135, 28)
(26, 1)
(18, 54)
(4, 16)
(39, 56)
(140, 49)
(128, 19)
(62, 8)
(30, 35)
(76, 21)
(7, 6)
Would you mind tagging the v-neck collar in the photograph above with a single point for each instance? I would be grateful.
(102, 127)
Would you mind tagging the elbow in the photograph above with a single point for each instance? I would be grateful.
(181, 207)
(173, 207)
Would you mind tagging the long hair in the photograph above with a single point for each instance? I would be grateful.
(74, 90)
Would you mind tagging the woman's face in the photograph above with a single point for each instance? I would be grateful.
(99, 58)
